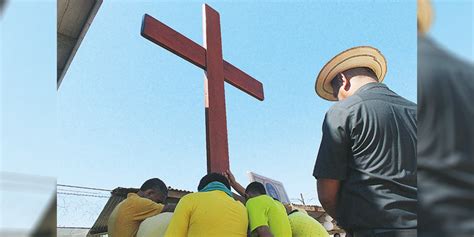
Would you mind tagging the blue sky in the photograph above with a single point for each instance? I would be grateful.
(126, 100)
(129, 110)
(453, 26)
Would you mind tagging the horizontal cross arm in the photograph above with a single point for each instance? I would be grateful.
(173, 41)
(243, 81)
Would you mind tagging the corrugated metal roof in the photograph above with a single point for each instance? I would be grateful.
(71, 232)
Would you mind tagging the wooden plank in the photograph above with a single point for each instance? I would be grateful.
(218, 153)
(173, 41)
(164, 36)
(243, 81)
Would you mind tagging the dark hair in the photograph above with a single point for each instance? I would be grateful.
(213, 177)
(369, 72)
(336, 83)
(155, 184)
(255, 187)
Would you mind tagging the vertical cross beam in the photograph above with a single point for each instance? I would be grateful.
(216, 125)
(217, 70)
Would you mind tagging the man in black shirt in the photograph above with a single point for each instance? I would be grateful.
(366, 164)
(446, 137)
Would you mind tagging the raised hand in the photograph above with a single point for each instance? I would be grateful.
(229, 176)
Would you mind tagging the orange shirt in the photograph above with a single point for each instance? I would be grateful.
(128, 214)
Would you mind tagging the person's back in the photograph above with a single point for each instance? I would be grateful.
(263, 210)
(155, 226)
(445, 147)
(126, 217)
(378, 188)
(303, 225)
(210, 214)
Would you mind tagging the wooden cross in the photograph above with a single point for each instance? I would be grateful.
(217, 71)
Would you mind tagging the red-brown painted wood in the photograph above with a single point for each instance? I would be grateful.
(164, 36)
(218, 154)
(217, 70)
(242, 81)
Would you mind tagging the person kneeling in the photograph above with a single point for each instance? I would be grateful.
(211, 212)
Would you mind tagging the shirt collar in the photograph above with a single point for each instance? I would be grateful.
(369, 86)
(294, 211)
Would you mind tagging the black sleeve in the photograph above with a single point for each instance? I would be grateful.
(332, 159)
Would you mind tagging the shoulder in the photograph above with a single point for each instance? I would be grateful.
(279, 204)
(190, 197)
(139, 203)
(338, 114)
(239, 205)
(295, 216)
(188, 201)
(135, 199)
(441, 66)
(257, 202)
(345, 107)
(348, 104)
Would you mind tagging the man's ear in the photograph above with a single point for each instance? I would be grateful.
(346, 83)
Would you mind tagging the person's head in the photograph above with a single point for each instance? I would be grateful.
(255, 189)
(213, 177)
(346, 83)
(346, 72)
(154, 189)
(424, 16)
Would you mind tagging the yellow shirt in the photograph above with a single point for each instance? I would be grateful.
(155, 226)
(208, 214)
(128, 214)
(303, 225)
(265, 211)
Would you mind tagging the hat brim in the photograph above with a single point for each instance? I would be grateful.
(361, 56)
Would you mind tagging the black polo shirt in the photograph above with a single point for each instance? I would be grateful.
(369, 144)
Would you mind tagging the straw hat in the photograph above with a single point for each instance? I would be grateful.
(424, 16)
(362, 56)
